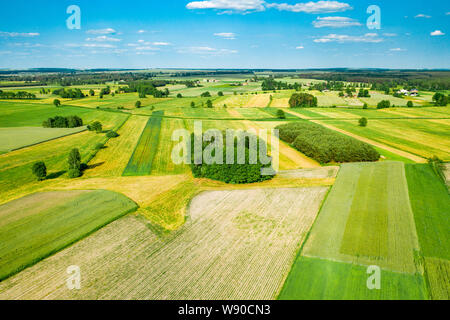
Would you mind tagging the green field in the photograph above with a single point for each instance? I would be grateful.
(367, 219)
(142, 159)
(426, 138)
(430, 202)
(38, 225)
(18, 137)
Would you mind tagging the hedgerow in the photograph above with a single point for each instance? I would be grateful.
(325, 145)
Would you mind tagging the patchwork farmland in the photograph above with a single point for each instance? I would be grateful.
(142, 227)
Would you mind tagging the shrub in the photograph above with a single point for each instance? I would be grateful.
(231, 173)
(138, 104)
(74, 173)
(384, 104)
(192, 104)
(112, 134)
(39, 170)
(280, 114)
(409, 104)
(302, 100)
(325, 145)
(99, 146)
(179, 95)
(220, 94)
(363, 122)
(206, 94)
(365, 106)
(57, 103)
(95, 126)
(209, 104)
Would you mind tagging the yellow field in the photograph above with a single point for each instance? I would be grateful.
(112, 160)
(258, 101)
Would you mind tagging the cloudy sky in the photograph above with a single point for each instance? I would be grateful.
(225, 34)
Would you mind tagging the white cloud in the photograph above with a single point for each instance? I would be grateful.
(207, 51)
(397, 49)
(18, 34)
(422, 16)
(103, 39)
(102, 31)
(161, 43)
(335, 22)
(226, 35)
(141, 31)
(447, 14)
(389, 34)
(236, 5)
(90, 45)
(300, 47)
(368, 38)
(437, 33)
(146, 48)
(312, 7)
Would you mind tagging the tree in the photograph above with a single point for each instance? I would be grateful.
(363, 122)
(206, 94)
(409, 104)
(74, 162)
(91, 93)
(440, 99)
(138, 104)
(179, 95)
(365, 106)
(57, 103)
(209, 104)
(95, 126)
(220, 94)
(302, 100)
(280, 114)
(101, 95)
(39, 170)
(192, 104)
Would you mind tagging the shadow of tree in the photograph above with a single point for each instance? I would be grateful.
(55, 175)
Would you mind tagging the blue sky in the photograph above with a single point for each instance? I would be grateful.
(225, 34)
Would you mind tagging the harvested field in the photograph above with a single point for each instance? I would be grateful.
(236, 245)
(316, 173)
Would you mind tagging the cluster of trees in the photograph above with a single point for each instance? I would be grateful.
(205, 94)
(246, 172)
(69, 93)
(145, 87)
(63, 122)
(325, 145)
(302, 100)
(363, 93)
(16, 95)
(441, 100)
(271, 84)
